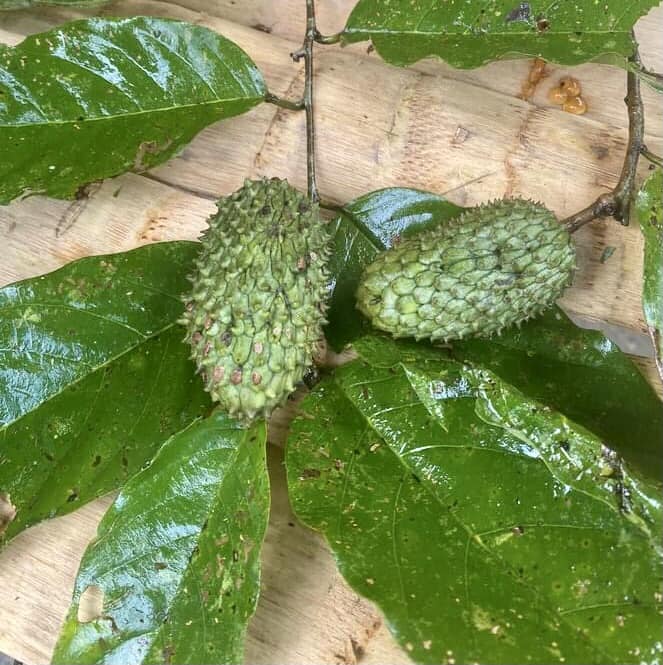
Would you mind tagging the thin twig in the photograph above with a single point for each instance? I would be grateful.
(306, 52)
(618, 202)
(652, 157)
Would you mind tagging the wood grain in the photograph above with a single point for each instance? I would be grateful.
(465, 134)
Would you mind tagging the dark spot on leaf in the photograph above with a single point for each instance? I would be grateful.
(96, 461)
(310, 473)
(519, 13)
(168, 652)
(542, 24)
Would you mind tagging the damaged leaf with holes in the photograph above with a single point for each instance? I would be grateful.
(98, 97)
(466, 34)
(93, 378)
(443, 491)
(174, 572)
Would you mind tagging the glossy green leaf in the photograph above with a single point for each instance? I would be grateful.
(582, 374)
(98, 97)
(649, 208)
(468, 34)
(177, 556)
(363, 228)
(93, 377)
(487, 527)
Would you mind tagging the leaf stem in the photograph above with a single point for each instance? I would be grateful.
(651, 78)
(618, 202)
(284, 103)
(652, 157)
(306, 52)
(327, 39)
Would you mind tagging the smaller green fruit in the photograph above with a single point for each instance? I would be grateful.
(493, 266)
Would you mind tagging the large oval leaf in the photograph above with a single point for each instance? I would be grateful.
(177, 556)
(471, 34)
(487, 527)
(93, 377)
(649, 207)
(98, 97)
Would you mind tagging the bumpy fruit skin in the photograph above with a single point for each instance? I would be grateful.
(255, 313)
(492, 266)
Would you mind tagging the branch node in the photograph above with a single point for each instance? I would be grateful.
(298, 54)
(617, 203)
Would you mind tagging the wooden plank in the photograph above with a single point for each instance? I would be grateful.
(404, 132)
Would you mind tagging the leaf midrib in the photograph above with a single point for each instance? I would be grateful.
(116, 116)
(406, 33)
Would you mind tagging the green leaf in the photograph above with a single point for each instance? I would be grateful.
(487, 527)
(363, 228)
(649, 208)
(93, 377)
(469, 35)
(582, 374)
(98, 97)
(177, 556)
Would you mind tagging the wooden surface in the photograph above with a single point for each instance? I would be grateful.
(465, 134)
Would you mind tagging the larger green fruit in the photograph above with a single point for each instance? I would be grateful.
(492, 266)
(255, 314)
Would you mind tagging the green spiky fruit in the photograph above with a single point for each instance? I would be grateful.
(255, 313)
(492, 266)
